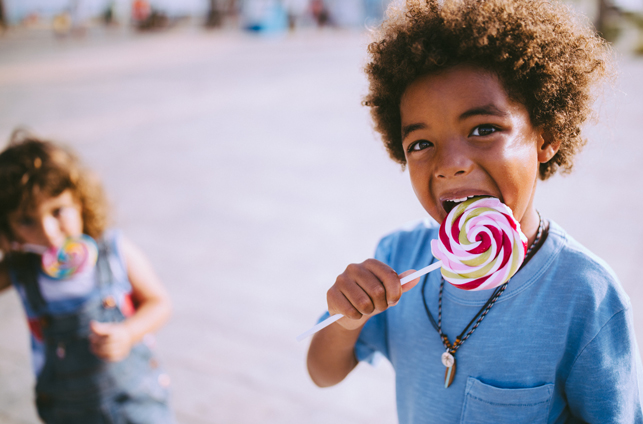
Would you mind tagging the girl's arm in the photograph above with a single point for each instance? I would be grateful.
(113, 341)
(5, 282)
(362, 291)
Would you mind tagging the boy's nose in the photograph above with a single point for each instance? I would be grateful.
(452, 161)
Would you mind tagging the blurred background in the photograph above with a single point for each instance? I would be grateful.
(232, 144)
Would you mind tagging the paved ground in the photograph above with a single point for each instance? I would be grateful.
(247, 170)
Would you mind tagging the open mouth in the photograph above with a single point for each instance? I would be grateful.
(448, 205)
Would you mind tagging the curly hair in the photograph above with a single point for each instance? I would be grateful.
(30, 167)
(546, 57)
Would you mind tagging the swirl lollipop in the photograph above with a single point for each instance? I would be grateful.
(480, 246)
(75, 255)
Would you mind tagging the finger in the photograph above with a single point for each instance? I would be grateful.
(98, 348)
(408, 286)
(355, 294)
(370, 284)
(100, 328)
(339, 304)
(388, 278)
(106, 350)
(101, 344)
(104, 354)
(96, 339)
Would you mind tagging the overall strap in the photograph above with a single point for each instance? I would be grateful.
(104, 272)
(26, 267)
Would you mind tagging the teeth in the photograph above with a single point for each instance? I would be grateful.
(462, 199)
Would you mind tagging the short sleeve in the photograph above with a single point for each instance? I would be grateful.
(605, 382)
(373, 338)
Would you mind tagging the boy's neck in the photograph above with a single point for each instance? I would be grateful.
(529, 225)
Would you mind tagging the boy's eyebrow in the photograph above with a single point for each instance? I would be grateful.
(410, 128)
(489, 109)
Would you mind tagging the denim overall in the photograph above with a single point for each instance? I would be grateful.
(75, 386)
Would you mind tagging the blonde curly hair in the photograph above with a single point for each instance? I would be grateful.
(545, 55)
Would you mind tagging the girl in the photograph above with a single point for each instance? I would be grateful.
(482, 98)
(88, 331)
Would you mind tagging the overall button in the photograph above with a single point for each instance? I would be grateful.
(60, 351)
(45, 321)
(109, 302)
(164, 380)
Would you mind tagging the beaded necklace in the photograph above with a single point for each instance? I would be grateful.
(448, 357)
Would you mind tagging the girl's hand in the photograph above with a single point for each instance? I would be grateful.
(364, 290)
(110, 341)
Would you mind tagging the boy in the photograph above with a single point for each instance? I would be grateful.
(482, 98)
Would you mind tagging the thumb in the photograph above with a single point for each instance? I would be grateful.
(408, 286)
(100, 328)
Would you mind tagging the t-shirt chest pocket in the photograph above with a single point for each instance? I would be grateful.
(488, 404)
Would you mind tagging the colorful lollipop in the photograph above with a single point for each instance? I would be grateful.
(480, 246)
(75, 255)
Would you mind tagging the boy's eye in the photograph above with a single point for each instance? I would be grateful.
(56, 212)
(419, 145)
(482, 130)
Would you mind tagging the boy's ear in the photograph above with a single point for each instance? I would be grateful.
(547, 146)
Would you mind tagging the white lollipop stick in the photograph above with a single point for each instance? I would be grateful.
(331, 319)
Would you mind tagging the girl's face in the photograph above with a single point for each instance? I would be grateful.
(463, 136)
(49, 222)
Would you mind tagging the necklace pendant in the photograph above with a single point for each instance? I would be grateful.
(449, 374)
(447, 359)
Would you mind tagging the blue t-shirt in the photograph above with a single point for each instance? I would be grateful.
(557, 347)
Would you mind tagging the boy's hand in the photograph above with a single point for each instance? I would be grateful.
(110, 340)
(364, 290)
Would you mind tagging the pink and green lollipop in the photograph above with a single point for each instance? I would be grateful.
(480, 244)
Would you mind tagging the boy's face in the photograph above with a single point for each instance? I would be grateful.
(49, 222)
(463, 136)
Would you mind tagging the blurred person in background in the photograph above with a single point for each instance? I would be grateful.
(214, 16)
(374, 10)
(296, 11)
(61, 24)
(264, 16)
(320, 12)
(108, 14)
(90, 330)
(141, 12)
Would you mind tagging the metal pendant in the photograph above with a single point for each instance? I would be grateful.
(449, 374)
